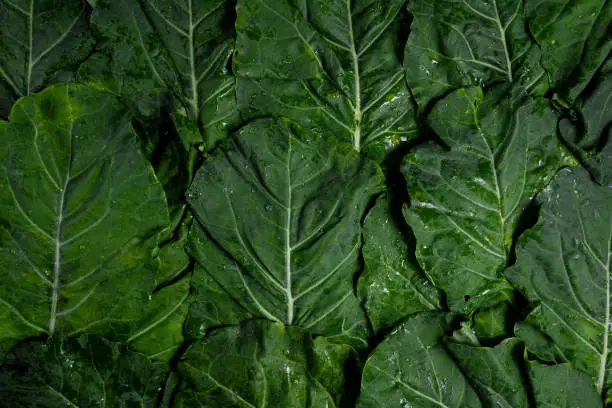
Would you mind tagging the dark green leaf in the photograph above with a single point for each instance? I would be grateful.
(172, 255)
(332, 66)
(456, 44)
(330, 364)
(287, 218)
(412, 368)
(170, 387)
(83, 372)
(502, 382)
(79, 212)
(493, 322)
(213, 305)
(258, 364)
(466, 201)
(392, 285)
(181, 47)
(160, 333)
(563, 268)
(562, 386)
(494, 372)
(539, 343)
(575, 39)
(589, 134)
(41, 42)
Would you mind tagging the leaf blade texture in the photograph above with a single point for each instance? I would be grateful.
(567, 277)
(291, 254)
(326, 65)
(81, 211)
(181, 48)
(159, 334)
(466, 201)
(457, 44)
(586, 130)
(412, 367)
(504, 379)
(494, 371)
(83, 371)
(571, 56)
(277, 365)
(41, 42)
(392, 285)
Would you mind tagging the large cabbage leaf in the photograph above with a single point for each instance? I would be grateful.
(80, 372)
(80, 211)
(41, 42)
(329, 65)
(261, 364)
(180, 47)
(287, 218)
(574, 36)
(466, 200)
(455, 44)
(563, 268)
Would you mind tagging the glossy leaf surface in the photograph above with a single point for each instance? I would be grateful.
(494, 372)
(41, 42)
(329, 65)
(588, 133)
(291, 250)
(575, 39)
(180, 47)
(80, 372)
(160, 333)
(456, 44)
(260, 364)
(466, 201)
(411, 367)
(562, 386)
(80, 212)
(392, 285)
(563, 268)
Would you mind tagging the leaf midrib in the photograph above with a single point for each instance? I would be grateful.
(493, 167)
(502, 33)
(604, 362)
(356, 104)
(357, 114)
(31, 60)
(194, 85)
(288, 246)
(57, 243)
(193, 103)
(30, 50)
(606, 322)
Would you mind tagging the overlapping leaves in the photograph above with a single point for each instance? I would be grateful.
(41, 42)
(84, 371)
(262, 363)
(290, 251)
(332, 66)
(181, 48)
(416, 366)
(80, 213)
(279, 270)
(456, 44)
(466, 200)
(563, 268)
